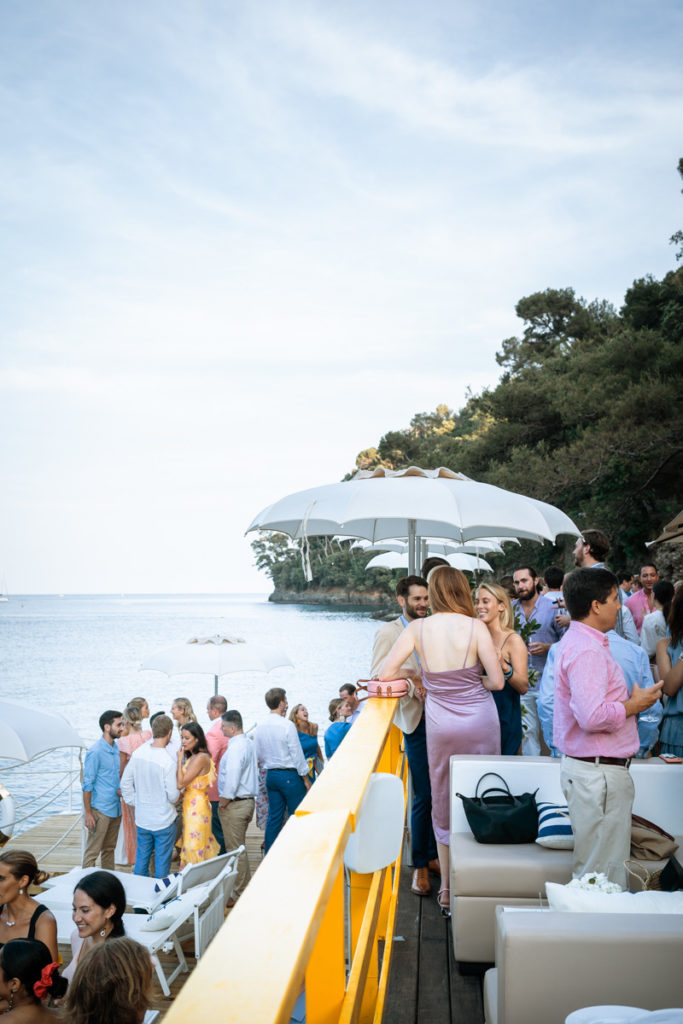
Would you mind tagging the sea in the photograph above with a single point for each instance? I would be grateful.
(78, 655)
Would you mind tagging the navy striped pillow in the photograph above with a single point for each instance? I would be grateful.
(554, 827)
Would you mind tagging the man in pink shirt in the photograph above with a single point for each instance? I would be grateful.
(642, 602)
(217, 744)
(595, 726)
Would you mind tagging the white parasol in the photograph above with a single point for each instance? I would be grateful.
(215, 655)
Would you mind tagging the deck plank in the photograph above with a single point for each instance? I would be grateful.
(401, 1001)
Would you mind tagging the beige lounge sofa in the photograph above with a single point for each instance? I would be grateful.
(484, 877)
(549, 964)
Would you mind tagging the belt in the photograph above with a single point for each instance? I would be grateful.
(623, 762)
(242, 798)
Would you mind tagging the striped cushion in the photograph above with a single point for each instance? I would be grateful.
(554, 827)
(165, 883)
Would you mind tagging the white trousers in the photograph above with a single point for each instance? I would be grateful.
(600, 798)
(531, 726)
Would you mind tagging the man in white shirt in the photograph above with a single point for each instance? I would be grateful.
(149, 785)
(237, 789)
(279, 751)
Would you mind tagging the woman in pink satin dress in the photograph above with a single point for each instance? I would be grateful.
(460, 713)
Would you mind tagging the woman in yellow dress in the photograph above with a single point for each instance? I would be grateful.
(196, 772)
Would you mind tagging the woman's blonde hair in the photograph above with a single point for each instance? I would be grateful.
(449, 591)
(186, 707)
(498, 593)
(333, 708)
(20, 863)
(111, 984)
(308, 727)
(132, 717)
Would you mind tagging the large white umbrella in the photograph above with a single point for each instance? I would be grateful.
(26, 732)
(216, 656)
(459, 560)
(435, 547)
(413, 503)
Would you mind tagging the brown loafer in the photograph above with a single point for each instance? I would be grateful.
(420, 884)
(434, 867)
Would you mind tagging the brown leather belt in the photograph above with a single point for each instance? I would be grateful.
(623, 762)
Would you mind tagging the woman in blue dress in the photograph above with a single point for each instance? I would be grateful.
(493, 607)
(670, 666)
(340, 712)
(307, 732)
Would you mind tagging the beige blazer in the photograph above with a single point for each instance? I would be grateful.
(410, 709)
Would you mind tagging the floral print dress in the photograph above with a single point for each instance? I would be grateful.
(198, 842)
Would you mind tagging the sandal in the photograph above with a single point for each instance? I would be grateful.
(444, 901)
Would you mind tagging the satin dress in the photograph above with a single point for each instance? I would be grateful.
(461, 718)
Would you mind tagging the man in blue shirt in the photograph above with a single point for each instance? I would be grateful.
(532, 607)
(101, 793)
(635, 665)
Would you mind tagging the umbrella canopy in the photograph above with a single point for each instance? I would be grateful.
(436, 547)
(459, 560)
(216, 656)
(413, 503)
(26, 732)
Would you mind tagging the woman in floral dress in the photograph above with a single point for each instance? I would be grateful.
(196, 772)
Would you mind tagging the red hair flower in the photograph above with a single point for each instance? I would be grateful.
(43, 986)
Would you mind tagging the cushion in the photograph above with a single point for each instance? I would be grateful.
(515, 870)
(554, 827)
(165, 883)
(566, 897)
(167, 915)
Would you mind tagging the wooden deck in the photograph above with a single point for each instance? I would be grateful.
(425, 986)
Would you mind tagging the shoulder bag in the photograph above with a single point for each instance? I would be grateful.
(499, 817)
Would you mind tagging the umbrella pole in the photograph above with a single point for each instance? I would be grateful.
(412, 543)
(215, 686)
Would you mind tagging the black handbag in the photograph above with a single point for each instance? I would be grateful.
(499, 817)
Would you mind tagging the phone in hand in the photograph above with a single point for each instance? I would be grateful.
(671, 759)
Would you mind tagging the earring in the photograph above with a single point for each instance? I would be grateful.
(103, 933)
(10, 1004)
(21, 892)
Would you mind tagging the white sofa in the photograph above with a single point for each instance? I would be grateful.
(484, 877)
(549, 964)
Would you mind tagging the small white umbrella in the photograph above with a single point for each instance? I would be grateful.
(399, 560)
(26, 732)
(216, 656)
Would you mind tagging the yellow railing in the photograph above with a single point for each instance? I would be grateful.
(288, 929)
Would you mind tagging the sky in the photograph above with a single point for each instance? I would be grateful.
(242, 240)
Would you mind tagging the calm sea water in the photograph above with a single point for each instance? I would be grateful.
(79, 655)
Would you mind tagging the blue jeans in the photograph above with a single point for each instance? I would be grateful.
(285, 789)
(423, 841)
(161, 844)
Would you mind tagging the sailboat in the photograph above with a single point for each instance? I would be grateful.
(3, 589)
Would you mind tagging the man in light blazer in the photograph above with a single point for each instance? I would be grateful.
(411, 594)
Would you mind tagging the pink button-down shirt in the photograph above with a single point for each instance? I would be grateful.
(590, 717)
(217, 744)
(639, 607)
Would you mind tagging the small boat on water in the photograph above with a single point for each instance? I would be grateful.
(4, 596)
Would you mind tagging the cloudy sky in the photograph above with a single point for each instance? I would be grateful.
(241, 240)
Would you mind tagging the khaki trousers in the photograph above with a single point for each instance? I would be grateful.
(235, 820)
(600, 798)
(102, 841)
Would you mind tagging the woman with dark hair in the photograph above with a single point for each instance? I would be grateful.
(22, 917)
(460, 713)
(28, 975)
(98, 908)
(112, 984)
(670, 666)
(654, 625)
(196, 772)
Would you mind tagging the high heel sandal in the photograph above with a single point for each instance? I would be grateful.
(444, 901)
